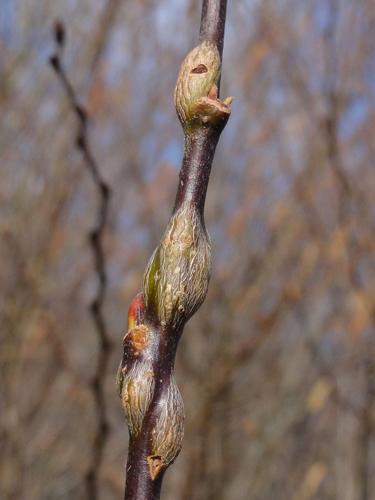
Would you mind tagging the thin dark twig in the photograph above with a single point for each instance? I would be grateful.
(96, 236)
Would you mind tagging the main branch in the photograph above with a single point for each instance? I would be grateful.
(177, 275)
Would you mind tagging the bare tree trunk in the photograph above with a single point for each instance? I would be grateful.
(177, 276)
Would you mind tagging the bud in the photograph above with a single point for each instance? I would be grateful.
(199, 72)
(177, 275)
(136, 395)
(135, 376)
(195, 96)
(168, 431)
(136, 336)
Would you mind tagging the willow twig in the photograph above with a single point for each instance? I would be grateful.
(176, 279)
(96, 236)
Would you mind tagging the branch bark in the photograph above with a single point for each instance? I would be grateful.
(177, 275)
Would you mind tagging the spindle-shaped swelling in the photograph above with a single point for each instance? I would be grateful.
(177, 275)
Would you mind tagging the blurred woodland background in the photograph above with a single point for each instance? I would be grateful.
(277, 370)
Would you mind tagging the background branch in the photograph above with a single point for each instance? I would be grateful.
(96, 237)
